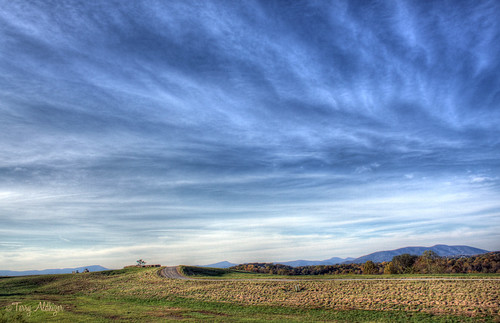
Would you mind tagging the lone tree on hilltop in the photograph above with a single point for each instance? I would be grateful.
(140, 262)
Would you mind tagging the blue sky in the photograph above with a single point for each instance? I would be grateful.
(196, 131)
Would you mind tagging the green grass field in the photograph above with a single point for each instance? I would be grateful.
(218, 273)
(141, 295)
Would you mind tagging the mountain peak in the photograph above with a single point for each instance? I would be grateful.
(221, 264)
(441, 249)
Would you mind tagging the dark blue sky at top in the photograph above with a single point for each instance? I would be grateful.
(246, 130)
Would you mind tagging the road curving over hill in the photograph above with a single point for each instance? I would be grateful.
(172, 272)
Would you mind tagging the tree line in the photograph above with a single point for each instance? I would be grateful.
(427, 263)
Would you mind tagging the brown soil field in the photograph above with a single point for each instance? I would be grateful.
(459, 297)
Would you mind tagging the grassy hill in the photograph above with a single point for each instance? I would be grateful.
(140, 294)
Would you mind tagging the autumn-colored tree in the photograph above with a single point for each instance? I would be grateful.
(429, 263)
(389, 269)
(369, 268)
(403, 264)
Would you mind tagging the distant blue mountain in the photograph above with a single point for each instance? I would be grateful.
(300, 263)
(379, 256)
(222, 264)
(441, 249)
(50, 271)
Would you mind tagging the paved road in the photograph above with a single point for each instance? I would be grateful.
(172, 272)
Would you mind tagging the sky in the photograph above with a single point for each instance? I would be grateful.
(192, 132)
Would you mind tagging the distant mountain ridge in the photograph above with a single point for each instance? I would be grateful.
(379, 256)
(51, 271)
(293, 263)
(300, 263)
(222, 264)
(441, 249)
